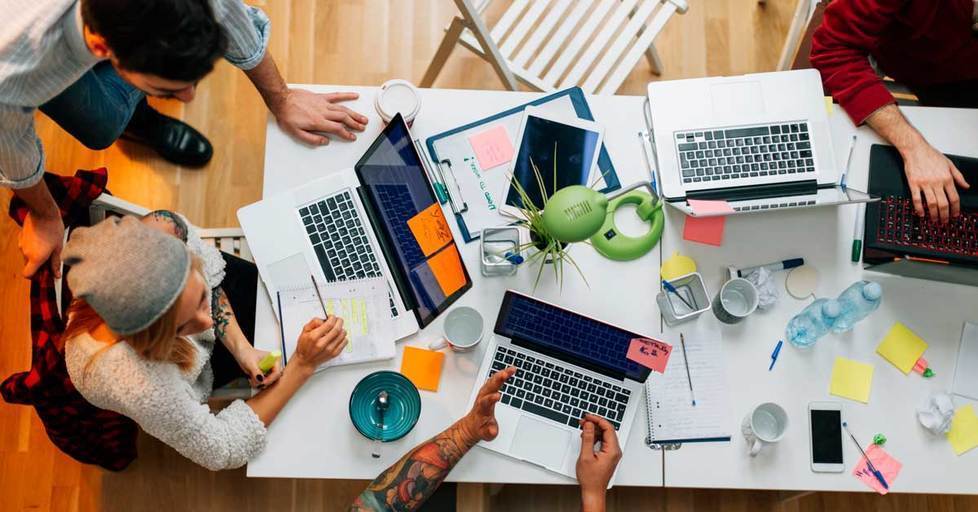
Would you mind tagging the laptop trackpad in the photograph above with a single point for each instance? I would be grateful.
(540, 443)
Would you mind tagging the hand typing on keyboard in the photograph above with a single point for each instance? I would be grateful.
(480, 423)
(596, 465)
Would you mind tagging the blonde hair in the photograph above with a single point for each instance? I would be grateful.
(158, 342)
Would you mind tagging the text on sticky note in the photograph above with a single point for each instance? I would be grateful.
(430, 229)
(492, 147)
(652, 354)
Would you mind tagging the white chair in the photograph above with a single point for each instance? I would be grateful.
(555, 44)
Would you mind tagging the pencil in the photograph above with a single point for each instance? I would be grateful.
(319, 295)
(682, 341)
(281, 326)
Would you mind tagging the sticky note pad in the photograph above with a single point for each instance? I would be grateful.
(851, 379)
(705, 230)
(963, 435)
(430, 229)
(901, 347)
(884, 463)
(448, 270)
(492, 147)
(702, 207)
(829, 106)
(652, 354)
(422, 367)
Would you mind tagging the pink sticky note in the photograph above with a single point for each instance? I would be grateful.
(886, 464)
(705, 230)
(702, 207)
(492, 147)
(652, 354)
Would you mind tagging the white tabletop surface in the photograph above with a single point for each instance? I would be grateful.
(933, 310)
(313, 436)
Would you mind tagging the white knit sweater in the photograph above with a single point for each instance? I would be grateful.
(165, 401)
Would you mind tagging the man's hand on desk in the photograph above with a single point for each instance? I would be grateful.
(480, 423)
(308, 116)
(595, 468)
(929, 173)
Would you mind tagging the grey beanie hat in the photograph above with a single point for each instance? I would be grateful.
(129, 273)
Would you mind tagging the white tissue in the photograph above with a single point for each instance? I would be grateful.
(767, 292)
(936, 414)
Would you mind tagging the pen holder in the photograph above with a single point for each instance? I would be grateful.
(495, 244)
(693, 289)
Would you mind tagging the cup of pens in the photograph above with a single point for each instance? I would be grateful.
(500, 251)
(683, 298)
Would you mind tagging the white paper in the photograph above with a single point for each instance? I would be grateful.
(672, 416)
(364, 307)
(966, 369)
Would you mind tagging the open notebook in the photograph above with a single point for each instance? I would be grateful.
(672, 417)
(364, 307)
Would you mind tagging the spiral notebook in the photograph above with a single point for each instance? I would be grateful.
(362, 304)
(672, 417)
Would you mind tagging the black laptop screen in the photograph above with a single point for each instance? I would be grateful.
(410, 224)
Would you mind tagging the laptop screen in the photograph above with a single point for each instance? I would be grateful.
(410, 224)
(569, 336)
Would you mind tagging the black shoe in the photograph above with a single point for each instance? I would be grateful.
(174, 140)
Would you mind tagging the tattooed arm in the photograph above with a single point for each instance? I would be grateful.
(410, 481)
(227, 330)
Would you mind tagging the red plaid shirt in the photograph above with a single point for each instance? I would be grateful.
(85, 432)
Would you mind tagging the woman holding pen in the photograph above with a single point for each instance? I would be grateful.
(137, 343)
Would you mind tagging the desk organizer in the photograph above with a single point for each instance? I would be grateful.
(693, 289)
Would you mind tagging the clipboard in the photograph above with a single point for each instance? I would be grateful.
(468, 189)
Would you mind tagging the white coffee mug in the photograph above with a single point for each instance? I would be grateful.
(765, 424)
(735, 301)
(464, 328)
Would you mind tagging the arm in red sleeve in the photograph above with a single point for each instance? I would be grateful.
(850, 31)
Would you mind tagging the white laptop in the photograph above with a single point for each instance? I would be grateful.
(759, 141)
(568, 364)
(352, 224)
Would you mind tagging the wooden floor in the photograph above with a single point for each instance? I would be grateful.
(357, 42)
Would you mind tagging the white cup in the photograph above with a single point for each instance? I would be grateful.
(464, 329)
(735, 301)
(766, 424)
(398, 96)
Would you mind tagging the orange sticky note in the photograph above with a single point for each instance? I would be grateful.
(448, 270)
(422, 367)
(705, 230)
(430, 229)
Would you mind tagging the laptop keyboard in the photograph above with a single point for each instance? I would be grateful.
(900, 225)
(337, 235)
(745, 152)
(557, 393)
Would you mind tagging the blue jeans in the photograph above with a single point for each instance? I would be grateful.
(96, 108)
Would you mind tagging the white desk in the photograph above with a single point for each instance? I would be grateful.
(823, 237)
(313, 436)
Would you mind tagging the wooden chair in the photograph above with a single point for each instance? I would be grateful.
(555, 44)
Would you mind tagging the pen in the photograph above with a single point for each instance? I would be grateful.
(774, 355)
(845, 172)
(320, 296)
(672, 289)
(281, 323)
(869, 463)
(682, 341)
(858, 233)
(772, 267)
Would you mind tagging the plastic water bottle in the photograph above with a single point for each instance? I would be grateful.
(857, 302)
(813, 322)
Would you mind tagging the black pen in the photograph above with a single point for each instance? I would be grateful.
(321, 303)
(682, 341)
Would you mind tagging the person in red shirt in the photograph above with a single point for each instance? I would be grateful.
(930, 46)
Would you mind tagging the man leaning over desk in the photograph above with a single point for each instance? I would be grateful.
(89, 65)
(931, 46)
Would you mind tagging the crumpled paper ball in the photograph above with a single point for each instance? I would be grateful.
(767, 291)
(935, 415)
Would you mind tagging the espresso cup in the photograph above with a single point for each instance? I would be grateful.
(464, 329)
(735, 301)
(764, 425)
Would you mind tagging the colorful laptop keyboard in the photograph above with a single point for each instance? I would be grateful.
(899, 225)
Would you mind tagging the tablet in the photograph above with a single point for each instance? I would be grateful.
(564, 150)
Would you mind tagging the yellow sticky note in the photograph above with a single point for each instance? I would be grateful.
(829, 106)
(964, 430)
(851, 379)
(430, 229)
(901, 347)
(422, 367)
